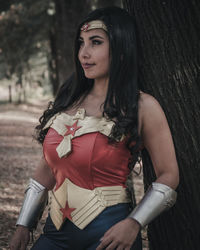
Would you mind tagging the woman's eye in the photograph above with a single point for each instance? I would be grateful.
(96, 42)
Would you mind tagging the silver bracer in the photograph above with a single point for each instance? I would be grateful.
(158, 198)
(35, 201)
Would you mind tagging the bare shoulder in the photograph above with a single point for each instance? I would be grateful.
(151, 114)
(148, 102)
(148, 105)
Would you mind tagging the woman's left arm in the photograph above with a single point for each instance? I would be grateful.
(157, 139)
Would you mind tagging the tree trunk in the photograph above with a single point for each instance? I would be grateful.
(169, 70)
(106, 3)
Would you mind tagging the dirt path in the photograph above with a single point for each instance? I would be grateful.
(19, 155)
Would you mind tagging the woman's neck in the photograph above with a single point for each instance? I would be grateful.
(100, 88)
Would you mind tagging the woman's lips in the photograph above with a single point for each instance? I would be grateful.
(87, 65)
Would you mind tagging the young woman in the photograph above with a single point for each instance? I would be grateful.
(91, 138)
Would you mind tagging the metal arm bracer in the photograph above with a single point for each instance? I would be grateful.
(158, 198)
(35, 201)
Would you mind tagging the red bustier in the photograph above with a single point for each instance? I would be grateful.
(92, 161)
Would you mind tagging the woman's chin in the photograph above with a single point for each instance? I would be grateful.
(89, 76)
(96, 77)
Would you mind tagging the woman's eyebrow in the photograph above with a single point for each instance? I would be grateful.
(92, 37)
(95, 36)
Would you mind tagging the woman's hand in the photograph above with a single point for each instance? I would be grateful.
(121, 236)
(20, 239)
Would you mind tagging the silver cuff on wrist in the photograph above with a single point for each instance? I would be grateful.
(158, 198)
(34, 203)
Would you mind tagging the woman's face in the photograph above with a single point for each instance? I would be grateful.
(94, 53)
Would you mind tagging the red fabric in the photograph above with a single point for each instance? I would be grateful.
(92, 163)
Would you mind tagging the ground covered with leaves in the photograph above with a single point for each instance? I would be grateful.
(19, 155)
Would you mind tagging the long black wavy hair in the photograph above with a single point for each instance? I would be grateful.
(121, 103)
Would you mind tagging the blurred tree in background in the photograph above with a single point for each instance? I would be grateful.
(24, 31)
(22, 28)
(36, 45)
(67, 16)
(170, 71)
(36, 52)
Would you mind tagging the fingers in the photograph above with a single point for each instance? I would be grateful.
(20, 240)
(121, 237)
(23, 246)
(120, 248)
(110, 244)
(18, 246)
(15, 245)
(113, 246)
(127, 248)
(105, 242)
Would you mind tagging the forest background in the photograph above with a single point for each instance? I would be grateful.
(36, 57)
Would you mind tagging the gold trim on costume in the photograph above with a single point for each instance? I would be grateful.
(87, 204)
(73, 126)
(96, 24)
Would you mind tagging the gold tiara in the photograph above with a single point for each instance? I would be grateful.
(96, 24)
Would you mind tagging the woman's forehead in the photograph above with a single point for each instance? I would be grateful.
(93, 32)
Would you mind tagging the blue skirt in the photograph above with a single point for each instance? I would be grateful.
(73, 238)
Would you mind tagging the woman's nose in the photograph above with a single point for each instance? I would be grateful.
(84, 52)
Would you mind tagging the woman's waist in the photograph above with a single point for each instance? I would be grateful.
(88, 179)
(82, 205)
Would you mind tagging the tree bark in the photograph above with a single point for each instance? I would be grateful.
(170, 71)
(106, 3)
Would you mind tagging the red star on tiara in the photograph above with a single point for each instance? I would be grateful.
(85, 27)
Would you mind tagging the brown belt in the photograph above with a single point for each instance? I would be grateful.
(88, 204)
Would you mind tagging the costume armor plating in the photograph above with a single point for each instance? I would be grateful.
(33, 206)
(76, 148)
(157, 199)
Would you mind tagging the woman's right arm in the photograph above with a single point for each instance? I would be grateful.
(44, 176)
